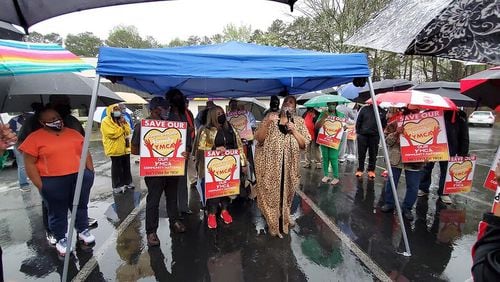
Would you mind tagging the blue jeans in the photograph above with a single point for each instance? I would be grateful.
(58, 192)
(426, 177)
(21, 171)
(412, 182)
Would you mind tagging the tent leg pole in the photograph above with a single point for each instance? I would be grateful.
(389, 169)
(81, 171)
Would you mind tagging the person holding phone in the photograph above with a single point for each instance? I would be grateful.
(281, 136)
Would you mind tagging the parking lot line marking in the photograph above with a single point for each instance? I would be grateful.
(370, 264)
(93, 262)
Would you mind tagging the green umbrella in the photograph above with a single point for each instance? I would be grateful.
(321, 101)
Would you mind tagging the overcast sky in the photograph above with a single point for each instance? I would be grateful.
(170, 19)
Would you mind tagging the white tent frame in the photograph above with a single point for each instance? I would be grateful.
(85, 151)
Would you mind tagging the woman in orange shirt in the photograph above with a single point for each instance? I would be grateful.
(52, 157)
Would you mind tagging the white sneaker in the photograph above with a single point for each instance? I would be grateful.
(61, 246)
(326, 179)
(50, 238)
(422, 193)
(86, 237)
(446, 199)
(119, 190)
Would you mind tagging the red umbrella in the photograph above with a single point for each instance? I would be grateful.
(399, 99)
(483, 87)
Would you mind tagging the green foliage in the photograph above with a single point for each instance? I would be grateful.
(44, 38)
(83, 44)
(127, 36)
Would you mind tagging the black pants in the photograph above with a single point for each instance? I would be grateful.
(426, 178)
(182, 193)
(156, 187)
(370, 143)
(213, 204)
(120, 171)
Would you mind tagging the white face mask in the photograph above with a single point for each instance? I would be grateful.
(117, 114)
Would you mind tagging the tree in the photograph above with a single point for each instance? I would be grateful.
(193, 40)
(126, 36)
(242, 33)
(176, 42)
(151, 42)
(83, 44)
(41, 38)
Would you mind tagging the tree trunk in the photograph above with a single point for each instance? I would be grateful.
(410, 77)
(434, 62)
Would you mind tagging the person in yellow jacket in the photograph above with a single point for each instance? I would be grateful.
(115, 139)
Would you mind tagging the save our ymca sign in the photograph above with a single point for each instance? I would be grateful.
(330, 134)
(240, 121)
(459, 175)
(222, 173)
(162, 145)
(423, 138)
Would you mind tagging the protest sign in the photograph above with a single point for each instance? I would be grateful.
(222, 173)
(330, 134)
(491, 180)
(162, 145)
(423, 137)
(459, 175)
(239, 120)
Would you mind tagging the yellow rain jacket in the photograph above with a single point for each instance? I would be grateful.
(114, 135)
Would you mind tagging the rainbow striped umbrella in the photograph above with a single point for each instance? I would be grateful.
(18, 58)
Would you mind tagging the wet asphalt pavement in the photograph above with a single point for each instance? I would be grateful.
(340, 234)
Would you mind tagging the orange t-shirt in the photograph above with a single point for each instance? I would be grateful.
(56, 154)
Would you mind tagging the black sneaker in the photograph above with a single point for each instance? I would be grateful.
(387, 208)
(408, 215)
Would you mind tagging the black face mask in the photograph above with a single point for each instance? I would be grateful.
(221, 119)
(275, 105)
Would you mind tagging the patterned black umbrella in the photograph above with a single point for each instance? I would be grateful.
(467, 30)
(26, 13)
(8, 31)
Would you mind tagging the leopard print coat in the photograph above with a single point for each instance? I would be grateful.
(278, 151)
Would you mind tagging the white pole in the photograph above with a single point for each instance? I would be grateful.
(81, 170)
(388, 165)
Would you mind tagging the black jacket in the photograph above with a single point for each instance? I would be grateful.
(486, 250)
(457, 133)
(366, 123)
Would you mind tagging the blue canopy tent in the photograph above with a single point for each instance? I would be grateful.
(232, 70)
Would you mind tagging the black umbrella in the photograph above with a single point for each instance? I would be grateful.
(26, 13)
(466, 30)
(8, 31)
(17, 93)
(446, 89)
(483, 86)
(382, 86)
